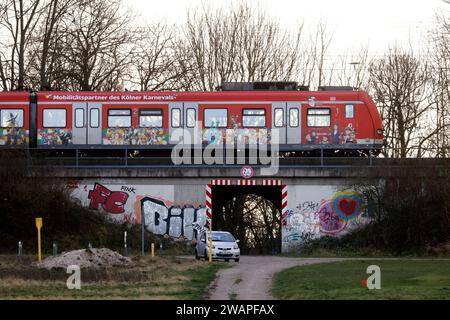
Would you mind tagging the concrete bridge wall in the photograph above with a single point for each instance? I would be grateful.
(172, 199)
(171, 205)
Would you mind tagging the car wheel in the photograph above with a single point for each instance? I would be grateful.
(236, 260)
(196, 255)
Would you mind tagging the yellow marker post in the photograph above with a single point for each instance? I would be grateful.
(153, 249)
(210, 241)
(39, 226)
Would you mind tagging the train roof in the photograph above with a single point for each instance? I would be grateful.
(14, 96)
(226, 96)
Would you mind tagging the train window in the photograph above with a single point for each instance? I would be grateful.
(279, 118)
(190, 118)
(152, 118)
(254, 118)
(119, 118)
(54, 118)
(349, 111)
(94, 118)
(176, 118)
(12, 118)
(216, 118)
(293, 117)
(319, 117)
(79, 118)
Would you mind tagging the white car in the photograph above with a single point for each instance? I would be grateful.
(224, 246)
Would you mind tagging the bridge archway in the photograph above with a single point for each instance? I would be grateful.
(238, 207)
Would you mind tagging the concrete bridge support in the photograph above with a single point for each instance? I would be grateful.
(318, 201)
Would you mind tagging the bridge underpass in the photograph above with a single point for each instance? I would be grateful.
(252, 213)
(173, 198)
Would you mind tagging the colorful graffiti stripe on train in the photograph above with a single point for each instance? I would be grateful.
(13, 136)
(135, 136)
(236, 136)
(57, 136)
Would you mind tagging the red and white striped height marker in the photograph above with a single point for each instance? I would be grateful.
(283, 200)
(246, 182)
(271, 182)
(208, 206)
(221, 182)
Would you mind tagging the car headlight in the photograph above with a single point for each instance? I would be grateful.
(236, 247)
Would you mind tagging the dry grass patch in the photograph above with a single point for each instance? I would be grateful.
(144, 278)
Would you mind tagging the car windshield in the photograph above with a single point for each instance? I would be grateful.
(223, 237)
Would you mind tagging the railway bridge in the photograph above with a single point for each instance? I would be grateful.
(313, 195)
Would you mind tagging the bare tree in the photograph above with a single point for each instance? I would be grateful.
(351, 69)
(154, 60)
(97, 45)
(206, 53)
(398, 83)
(55, 12)
(265, 51)
(321, 43)
(242, 44)
(18, 18)
(89, 45)
(255, 221)
(47, 68)
(440, 57)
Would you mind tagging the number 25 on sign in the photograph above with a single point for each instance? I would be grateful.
(39, 226)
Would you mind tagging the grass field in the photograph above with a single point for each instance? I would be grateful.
(400, 279)
(147, 278)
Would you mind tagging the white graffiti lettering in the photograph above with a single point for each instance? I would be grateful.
(176, 221)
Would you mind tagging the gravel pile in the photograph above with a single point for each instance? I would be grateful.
(85, 258)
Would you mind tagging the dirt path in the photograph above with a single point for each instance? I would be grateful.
(251, 278)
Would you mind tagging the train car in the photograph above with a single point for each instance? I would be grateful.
(304, 120)
(14, 119)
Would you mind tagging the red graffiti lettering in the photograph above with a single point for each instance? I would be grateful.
(127, 218)
(112, 201)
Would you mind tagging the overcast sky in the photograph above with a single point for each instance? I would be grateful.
(377, 23)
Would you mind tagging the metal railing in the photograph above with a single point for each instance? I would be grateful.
(91, 158)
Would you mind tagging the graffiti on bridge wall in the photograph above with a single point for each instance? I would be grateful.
(127, 204)
(173, 221)
(318, 210)
(334, 216)
(297, 226)
(111, 201)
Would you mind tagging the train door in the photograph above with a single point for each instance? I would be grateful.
(175, 121)
(279, 120)
(191, 123)
(293, 125)
(94, 123)
(87, 123)
(79, 132)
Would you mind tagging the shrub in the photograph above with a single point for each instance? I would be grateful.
(25, 196)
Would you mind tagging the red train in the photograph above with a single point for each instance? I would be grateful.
(338, 119)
